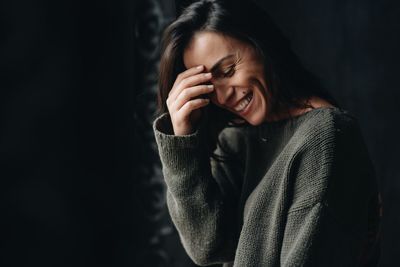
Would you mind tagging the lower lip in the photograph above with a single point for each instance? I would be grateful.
(247, 108)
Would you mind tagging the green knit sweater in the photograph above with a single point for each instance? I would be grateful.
(295, 192)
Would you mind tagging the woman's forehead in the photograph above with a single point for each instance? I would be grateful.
(207, 48)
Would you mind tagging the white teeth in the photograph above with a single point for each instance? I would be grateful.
(243, 103)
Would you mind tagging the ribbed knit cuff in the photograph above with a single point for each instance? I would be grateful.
(165, 137)
(182, 156)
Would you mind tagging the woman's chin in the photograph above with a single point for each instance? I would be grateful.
(255, 119)
(255, 123)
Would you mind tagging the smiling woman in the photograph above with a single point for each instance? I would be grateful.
(304, 194)
(237, 74)
(205, 35)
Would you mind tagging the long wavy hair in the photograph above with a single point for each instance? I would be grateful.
(289, 83)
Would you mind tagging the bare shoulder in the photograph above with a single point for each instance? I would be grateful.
(318, 102)
(314, 102)
(340, 118)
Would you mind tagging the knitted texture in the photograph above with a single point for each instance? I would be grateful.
(295, 192)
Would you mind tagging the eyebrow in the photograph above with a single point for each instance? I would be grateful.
(220, 61)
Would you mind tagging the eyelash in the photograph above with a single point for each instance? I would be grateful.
(230, 72)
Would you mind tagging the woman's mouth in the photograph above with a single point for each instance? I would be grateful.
(243, 104)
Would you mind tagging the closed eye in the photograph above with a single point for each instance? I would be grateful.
(229, 72)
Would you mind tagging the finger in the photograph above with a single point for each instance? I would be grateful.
(192, 92)
(189, 82)
(193, 105)
(187, 73)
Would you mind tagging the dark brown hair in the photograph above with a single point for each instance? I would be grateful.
(288, 82)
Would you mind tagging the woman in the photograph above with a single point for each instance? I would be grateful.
(262, 167)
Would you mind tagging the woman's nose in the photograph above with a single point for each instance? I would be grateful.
(224, 95)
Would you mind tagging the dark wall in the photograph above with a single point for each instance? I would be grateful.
(80, 180)
(67, 134)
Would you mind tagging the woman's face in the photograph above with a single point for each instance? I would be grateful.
(238, 74)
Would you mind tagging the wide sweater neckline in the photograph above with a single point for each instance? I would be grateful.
(283, 129)
(299, 119)
(301, 116)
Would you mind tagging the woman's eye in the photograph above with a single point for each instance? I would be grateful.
(229, 72)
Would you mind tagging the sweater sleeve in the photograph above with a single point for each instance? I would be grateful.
(333, 209)
(200, 201)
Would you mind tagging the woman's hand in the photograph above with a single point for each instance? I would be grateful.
(182, 102)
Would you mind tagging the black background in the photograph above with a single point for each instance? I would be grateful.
(80, 176)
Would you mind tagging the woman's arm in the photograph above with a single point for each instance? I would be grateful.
(201, 200)
(331, 229)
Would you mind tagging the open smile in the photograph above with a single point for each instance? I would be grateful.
(242, 106)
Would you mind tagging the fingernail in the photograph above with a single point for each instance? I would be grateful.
(199, 67)
(208, 75)
(210, 86)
